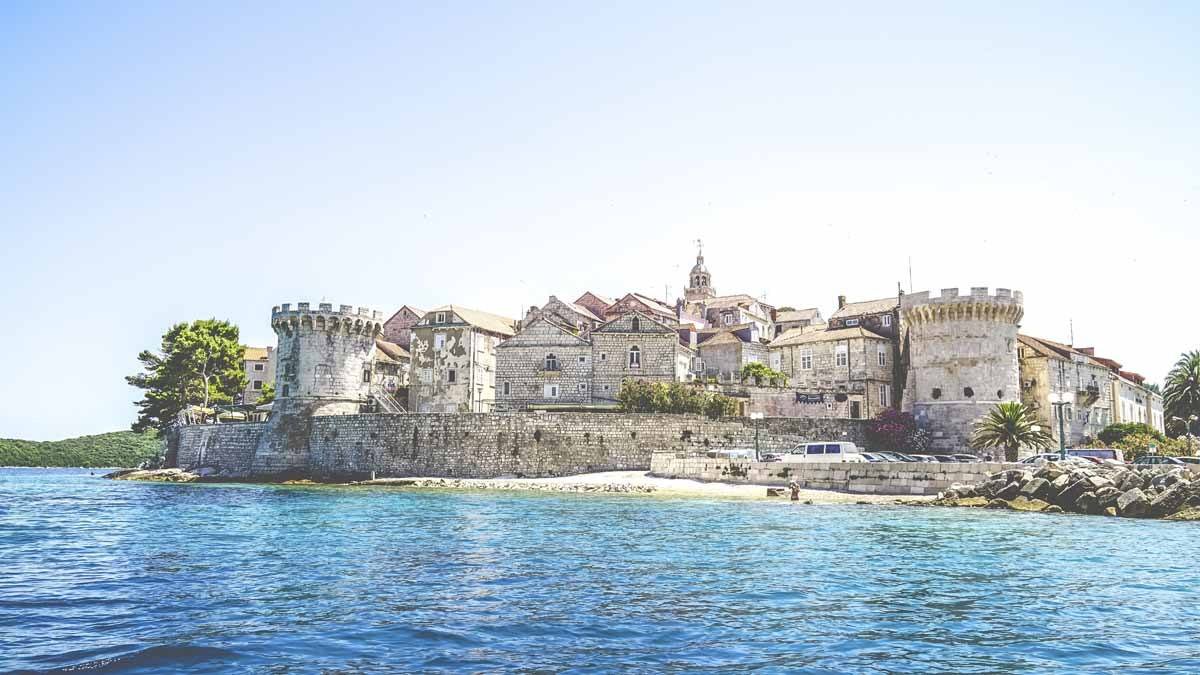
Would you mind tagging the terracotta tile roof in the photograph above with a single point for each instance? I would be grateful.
(492, 323)
(723, 338)
(738, 300)
(798, 336)
(583, 311)
(1057, 350)
(390, 351)
(654, 304)
(866, 307)
(601, 298)
(810, 314)
(419, 312)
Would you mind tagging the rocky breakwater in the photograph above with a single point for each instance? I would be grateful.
(1083, 487)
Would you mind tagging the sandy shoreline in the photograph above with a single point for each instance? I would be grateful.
(638, 482)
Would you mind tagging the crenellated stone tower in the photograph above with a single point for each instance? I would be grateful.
(324, 359)
(962, 359)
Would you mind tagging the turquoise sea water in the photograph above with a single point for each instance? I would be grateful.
(134, 577)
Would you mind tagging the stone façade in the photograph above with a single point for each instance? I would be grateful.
(481, 445)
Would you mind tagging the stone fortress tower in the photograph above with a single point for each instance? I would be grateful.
(962, 359)
(324, 360)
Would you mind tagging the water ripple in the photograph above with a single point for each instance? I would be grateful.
(99, 576)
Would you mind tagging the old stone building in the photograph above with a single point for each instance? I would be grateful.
(390, 369)
(398, 329)
(576, 317)
(701, 306)
(545, 364)
(636, 346)
(596, 304)
(636, 302)
(962, 359)
(259, 363)
(1053, 372)
(788, 319)
(454, 359)
(881, 317)
(843, 372)
(725, 352)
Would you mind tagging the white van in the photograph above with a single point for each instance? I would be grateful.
(840, 451)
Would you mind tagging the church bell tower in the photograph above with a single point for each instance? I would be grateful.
(699, 286)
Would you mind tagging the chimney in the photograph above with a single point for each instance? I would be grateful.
(841, 301)
(1090, 351)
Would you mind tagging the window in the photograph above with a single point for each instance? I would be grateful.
(451, 376)
(440, 318)
(882, 355)
(550, 391)
(728, 319)
(603, 356)
(815, 450)
(635, 325)
(259, 367)
(886, 320)
(833, 449)
(583, 359)
(776, 360)
(439, 341)
(285, 391)
(551, 362)
(583, 387)
(366, 376)
(635, 357)
(606, 387)
(256, 385)
(506, 388)
(426, 376)
(805, 359)
(851, 322)
(884, 395)
(842, 357)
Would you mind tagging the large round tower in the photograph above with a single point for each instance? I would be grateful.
(324, 362)
(962, 359)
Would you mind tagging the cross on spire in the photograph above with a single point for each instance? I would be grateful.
(699, 247)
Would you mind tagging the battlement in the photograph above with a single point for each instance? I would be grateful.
(362, 320)
(952, 295)
(326, 308)
(1005, 305)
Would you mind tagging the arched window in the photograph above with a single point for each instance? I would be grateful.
(636, 324)
(551, 362)
(635, 357)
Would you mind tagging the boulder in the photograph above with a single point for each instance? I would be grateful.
(971, 501)
(1170, 501)
(1108, 496)
(1049, 471)
(1022, 503)
(1088, 503)
(1059, 484)
(997, 504)
(1053, 508)
(1069, 497)
(1111, 511)
(1186, 514)
(1036, 488)
(1128, 480)
(1009, 491)
(1133, 503)
(990, 488)
(1098, 482)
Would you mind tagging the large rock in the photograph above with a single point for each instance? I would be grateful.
(1069, 497)
(1107, 496)
(1022, 503)
(1133, 503)
(991, 487)
(1049, 471)
(1036, 488)
(1171, 500)
(1088, 503)
(1009, 491)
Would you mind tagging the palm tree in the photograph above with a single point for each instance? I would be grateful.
(1010, 426)
(1181, 396)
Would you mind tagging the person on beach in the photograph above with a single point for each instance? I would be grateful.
(794, 486)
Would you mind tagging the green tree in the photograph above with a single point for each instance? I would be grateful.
(1115, 433)
(1010, 426)
(267, 394)
(675, 398)
(760, 372)
(1181, 396)
(199, 364)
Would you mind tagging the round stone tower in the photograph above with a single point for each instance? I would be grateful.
(324, 360)
(962, 359)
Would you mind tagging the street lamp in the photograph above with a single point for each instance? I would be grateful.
(1187, 428)
(1060, 402)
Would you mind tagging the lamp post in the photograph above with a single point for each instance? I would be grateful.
(1060, 403)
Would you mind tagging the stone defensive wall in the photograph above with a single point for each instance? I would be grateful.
(487, 445)
(893, 478)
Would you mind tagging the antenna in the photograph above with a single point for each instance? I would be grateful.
(1072, 323)
(910, 283)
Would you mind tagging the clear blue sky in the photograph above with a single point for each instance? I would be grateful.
(170, 161)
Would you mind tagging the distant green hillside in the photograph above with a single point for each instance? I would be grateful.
(119, 448)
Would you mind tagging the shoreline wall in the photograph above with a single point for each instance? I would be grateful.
(488, 445)
(893, 478)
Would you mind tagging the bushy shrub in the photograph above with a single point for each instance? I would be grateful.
(1114, 433)
(895, 431)
(675, 398)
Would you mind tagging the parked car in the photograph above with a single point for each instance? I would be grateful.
(894, 456)
(1158, 460)
(768, 457)
(1043, 457)
(1189, 460)
(966, 458)
(737, 453)
(840, 451)
(946, 459)
(1097, 453)
(924, 458)
(874, 457)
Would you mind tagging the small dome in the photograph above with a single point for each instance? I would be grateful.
(699, 267)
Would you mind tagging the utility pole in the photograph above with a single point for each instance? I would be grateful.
(1060, 407)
